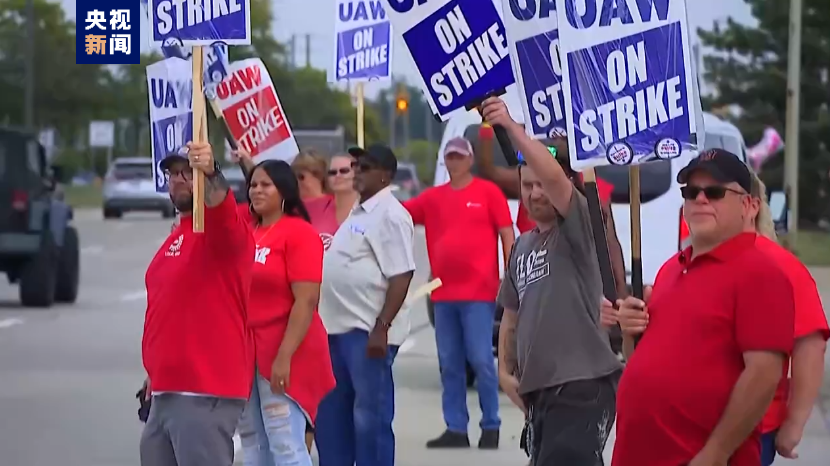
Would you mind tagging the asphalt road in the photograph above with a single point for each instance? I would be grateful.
(68, 374)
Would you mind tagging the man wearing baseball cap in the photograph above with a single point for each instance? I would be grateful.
(366, 275)
(464, 220)
(716, 333)
(195, 346)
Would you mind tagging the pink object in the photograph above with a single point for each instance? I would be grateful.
(770, 144)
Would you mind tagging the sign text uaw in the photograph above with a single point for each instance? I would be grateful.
(107, 32)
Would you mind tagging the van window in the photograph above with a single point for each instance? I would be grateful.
(655, 177)
(403, 174)
(133, 171)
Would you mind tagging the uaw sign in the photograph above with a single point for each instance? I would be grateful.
(533, 38)
(627, 80)
(169, 87)
(458, 46)
(199, 22)
(363, 41)
(253, 112)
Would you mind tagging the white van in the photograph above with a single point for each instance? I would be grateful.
(661, 202)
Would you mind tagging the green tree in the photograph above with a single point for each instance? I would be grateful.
(750, 70)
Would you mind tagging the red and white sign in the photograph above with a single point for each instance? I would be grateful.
(253, 112)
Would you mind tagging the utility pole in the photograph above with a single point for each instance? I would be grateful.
(308, 50)
(793, 121)
(393, 110)
(29, 57)
(292, 46)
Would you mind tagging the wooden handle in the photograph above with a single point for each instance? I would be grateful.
(360, 110)
(199, 135)
(424, 290)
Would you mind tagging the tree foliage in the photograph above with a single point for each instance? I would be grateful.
(749, 69)
(68, 95)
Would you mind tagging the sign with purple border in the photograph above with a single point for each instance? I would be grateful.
(362, 42)
(199, 22)
(627, 81)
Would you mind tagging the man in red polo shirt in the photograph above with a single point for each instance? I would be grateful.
(508, 180)
(783, 425)
(464, 220)
(715, 335)
(195, 346)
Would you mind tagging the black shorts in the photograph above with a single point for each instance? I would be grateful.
(569, 423)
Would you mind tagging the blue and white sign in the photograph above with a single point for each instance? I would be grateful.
(170, 87)
(362, 42)
(199, 22)
(627, 80)
(533, 38)
(215, 66)
(458, 46)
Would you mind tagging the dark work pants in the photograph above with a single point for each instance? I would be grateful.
(570, 423)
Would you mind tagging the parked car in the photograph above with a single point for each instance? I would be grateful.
(661, 204)
(129, 187)
(239, 184)
(39, 247)
(407, 178)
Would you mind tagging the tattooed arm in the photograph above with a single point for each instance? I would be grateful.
(216, 189)
(508, 362)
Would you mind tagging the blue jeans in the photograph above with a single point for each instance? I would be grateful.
(464, 333)
(354, 421)
(272, 429)
(768, 448)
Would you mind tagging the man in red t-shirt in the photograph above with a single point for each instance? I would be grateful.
(783, 425)
(508, 180)
(715, 335)
(464, 220)
(196, 348)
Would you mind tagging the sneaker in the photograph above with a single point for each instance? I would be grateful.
(489, 440)
(450, 440)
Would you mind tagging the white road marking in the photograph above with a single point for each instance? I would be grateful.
(136, 296)
(92, 250)
(6, 323)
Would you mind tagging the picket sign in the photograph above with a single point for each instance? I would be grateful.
(362, 42)
(175, 26)
(253, 113)
(458, 46)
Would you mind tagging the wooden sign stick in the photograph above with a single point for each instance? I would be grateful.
(360, 111)
(199, 135)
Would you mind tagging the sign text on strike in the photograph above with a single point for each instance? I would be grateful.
(186, 13)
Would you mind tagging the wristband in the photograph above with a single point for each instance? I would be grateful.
(485, 131)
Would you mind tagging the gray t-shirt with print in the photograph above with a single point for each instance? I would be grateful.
(554, 284)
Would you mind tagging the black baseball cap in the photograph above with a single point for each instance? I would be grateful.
(171, 159)
(378, 154)
(722, 165)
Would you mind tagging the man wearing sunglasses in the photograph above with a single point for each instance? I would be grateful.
(550, 332)
(715, 334)
(195, 346)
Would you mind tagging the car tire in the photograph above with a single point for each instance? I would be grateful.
(38, 280)
(169, 212)
(69, 268)
(112, 213)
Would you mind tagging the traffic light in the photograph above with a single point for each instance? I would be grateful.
(402, 104)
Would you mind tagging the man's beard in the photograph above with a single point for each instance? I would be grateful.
(184, 204)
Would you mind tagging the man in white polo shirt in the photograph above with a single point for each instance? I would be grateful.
(366, 275)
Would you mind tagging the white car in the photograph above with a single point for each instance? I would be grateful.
(662, 223)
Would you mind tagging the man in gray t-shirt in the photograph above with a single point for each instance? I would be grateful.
(555, 360)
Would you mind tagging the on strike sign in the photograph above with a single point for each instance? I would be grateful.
(253, 112)
(627, 80)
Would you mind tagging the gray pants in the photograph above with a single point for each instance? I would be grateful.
(190, 431)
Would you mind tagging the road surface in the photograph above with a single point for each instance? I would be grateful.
(68, 374)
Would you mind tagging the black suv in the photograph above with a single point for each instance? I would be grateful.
(38, 246)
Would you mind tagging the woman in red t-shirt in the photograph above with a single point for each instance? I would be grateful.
(293, 366)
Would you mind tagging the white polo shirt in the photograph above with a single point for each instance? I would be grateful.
(372, 245)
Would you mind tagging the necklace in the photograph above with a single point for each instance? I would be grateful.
(260, 238)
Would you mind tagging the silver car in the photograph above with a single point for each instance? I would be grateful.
(129, 187)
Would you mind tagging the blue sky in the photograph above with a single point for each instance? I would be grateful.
(298, 17)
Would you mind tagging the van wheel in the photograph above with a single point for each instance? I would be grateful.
(38, 281)
(471, 376)
(69, 268)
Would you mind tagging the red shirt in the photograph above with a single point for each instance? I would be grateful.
(809, 319)
(195, 336)
(703, 315)
(287, 252)
(323, 214)
(525, 224)
(462, 232)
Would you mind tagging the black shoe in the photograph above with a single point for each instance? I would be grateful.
(451, 440)
(489, 439)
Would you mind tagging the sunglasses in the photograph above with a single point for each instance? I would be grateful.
(363, 166)
(713, 193)
(186, 175)
(340, 171)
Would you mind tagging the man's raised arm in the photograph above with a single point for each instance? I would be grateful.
(507, 179)
(556, 183)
